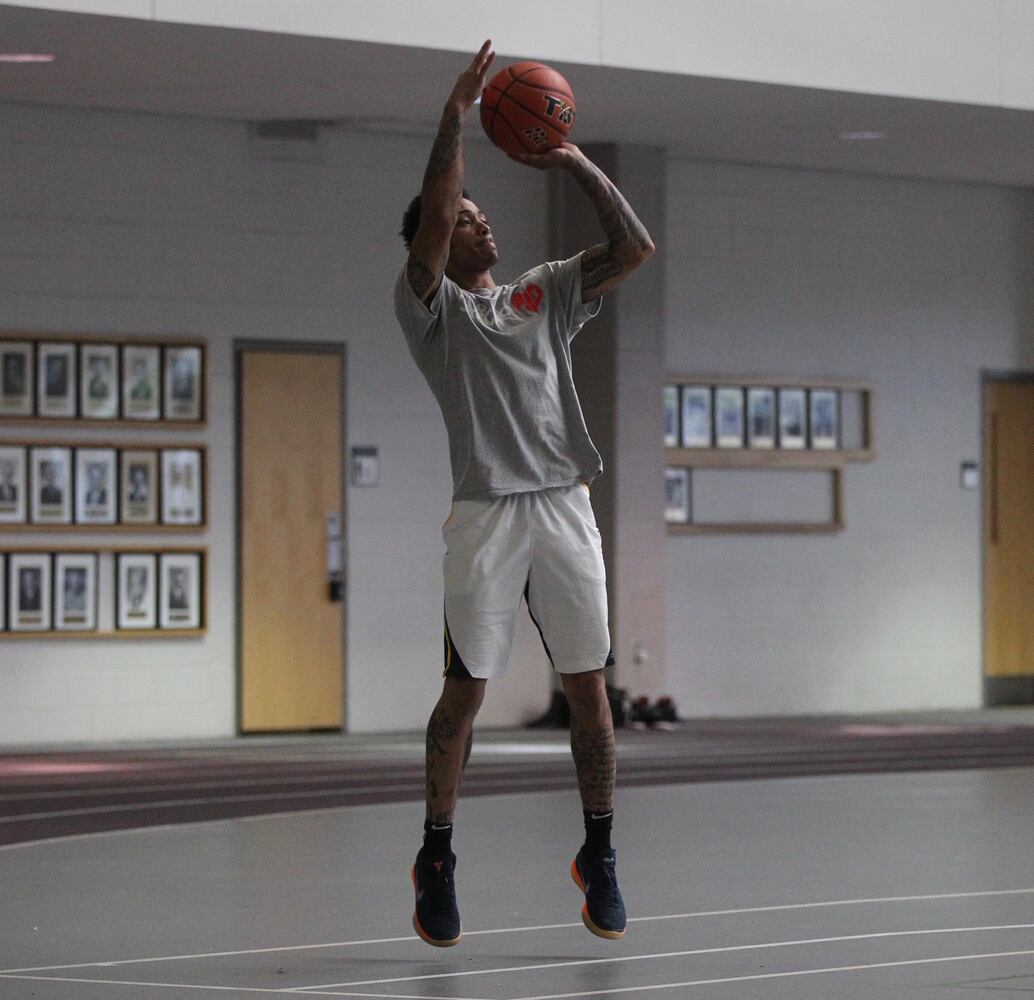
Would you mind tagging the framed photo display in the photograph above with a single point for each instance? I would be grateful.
(135, 590)
(28, 598)
(792, 419)
(184, 383)
(16, 379)
(51, 477)
(141, 371)
(98, 381)
(676, 496)
(824, 420)
(12, 485)
(696, 416)
(671, 416)
(138, 493)
(180, 590)
(95, 486)
(729, 413)
(75, 592)
(761, 429)
(181, 486)
(56, 381)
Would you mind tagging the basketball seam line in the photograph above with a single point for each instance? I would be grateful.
(537, 86)
(516, 135)
(495, 108)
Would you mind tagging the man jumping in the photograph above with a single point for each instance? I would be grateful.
(498, 360)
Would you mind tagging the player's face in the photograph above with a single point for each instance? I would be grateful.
(472, 245)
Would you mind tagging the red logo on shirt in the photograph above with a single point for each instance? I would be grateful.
(527, 298)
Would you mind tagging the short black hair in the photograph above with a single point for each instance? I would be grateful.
(411, 220)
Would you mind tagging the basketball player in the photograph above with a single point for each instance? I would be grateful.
(498, 360)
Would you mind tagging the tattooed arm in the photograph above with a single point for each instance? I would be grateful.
(628, 245)
(443, 181)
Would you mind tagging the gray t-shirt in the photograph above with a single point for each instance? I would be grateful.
(499, 363)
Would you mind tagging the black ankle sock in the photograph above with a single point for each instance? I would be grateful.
(437, 839)
(597, 831)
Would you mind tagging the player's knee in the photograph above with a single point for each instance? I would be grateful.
(586, 694)
(463, 697)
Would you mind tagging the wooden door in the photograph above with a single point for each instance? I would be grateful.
(291, 631)
(1009, 529)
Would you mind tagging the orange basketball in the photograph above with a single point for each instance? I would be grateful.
(527, 108)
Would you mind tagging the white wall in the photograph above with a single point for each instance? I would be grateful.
(970, 51)
(134, 224)
(914, 287)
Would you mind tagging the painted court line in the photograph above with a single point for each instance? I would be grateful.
(521, 930)
(668, 954)
(229, 989)
(775, 975)
(554, 996)
(929, 897)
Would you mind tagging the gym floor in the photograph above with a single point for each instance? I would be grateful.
(901, 885)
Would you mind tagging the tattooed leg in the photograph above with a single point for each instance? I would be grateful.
(592, 739)
(450, 736)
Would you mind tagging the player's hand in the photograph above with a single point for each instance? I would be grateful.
(565, 156)
(471, 82)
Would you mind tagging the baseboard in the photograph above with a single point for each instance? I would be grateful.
(1008, 691)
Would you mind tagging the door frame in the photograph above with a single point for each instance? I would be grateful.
(998, 691)
(337, 349)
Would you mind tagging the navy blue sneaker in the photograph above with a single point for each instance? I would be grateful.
(604, 909)
(436, 917)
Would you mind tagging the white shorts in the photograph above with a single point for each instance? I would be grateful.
(543, 546)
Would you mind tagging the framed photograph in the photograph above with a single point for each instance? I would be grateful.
(56, 380)
(16, 379)
(95, 486)
(696, 416)
(51, 478)
(28, 598)
(141, 378)
(676, 496)
(824, 418)
(12, 485)
(728, 404)
(75, 592)
(98, 381)
(135, 586)
(671, 416)
(179, 590)
(792, 419)
(138, 499)
(761, 406)
(184, 383)
(181, 486)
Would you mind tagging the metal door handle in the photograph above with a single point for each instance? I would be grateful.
(993, 482)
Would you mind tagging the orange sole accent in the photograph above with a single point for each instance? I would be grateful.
(586, 919)
(421, 933)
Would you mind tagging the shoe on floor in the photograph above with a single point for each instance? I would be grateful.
(639, 713)
(436, 917)
(604, 909)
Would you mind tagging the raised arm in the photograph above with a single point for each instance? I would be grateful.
(628, 245)
(443, 181)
